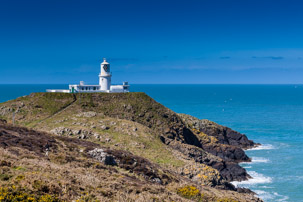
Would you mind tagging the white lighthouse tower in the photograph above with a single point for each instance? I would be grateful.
(105, 76)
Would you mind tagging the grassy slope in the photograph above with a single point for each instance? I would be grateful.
(134, 122)
(36, 107)
(37, 111)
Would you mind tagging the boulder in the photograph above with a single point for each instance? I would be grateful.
(104, 127)
(102, 156)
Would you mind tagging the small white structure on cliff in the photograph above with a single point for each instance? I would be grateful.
(104, 84)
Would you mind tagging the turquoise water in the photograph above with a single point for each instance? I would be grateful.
(269, 114)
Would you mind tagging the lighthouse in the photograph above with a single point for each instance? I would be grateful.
(105, 84)
(105, 76)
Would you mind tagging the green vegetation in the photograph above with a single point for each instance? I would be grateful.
(127, 125)
(31, 109)
(190, 192)
(13, 194)
(39, 109)
(193, 193)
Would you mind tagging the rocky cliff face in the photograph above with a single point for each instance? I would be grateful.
(200, 151)
(223, 134)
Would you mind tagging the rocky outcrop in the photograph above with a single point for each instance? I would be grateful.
(203, 174)
(229, 170)
(223, 134)
(102, 156)
(170, 127)
(87, 114)
(79, 133)
(229, 153)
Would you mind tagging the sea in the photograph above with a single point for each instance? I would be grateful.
(268, 114)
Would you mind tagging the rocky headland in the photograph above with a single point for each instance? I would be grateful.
(116, 147)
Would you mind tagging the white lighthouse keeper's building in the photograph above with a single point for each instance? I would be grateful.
(105, 85)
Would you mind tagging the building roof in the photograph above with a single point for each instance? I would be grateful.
(104, 62)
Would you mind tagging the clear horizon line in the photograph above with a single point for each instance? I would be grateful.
(165, 84)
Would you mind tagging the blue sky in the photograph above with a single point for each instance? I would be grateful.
(192, 41)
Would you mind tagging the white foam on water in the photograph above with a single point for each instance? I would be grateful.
(281, 197)
(257, 178)
(264, 195)
(266, 187)
(259, 160)
(262, 147)
(269, 196)
(255, 159)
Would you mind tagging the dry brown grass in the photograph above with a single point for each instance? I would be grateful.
(68, 173)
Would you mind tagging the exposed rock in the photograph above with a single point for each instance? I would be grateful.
(76, 132)
(223, 134)
(104, 127)
(102, 156)
(61, 131)
(87, 114)
(157, 180)
(97, 136)
(213, 144)
(83, 136)
(230, 171)
(60, 121)
(203, 174)
(5, 111)
(226, 152)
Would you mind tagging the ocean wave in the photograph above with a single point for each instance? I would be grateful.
(259, 160)
(266, 187)
(264, 195)
(281, 197)
(262, 147)
(257, 178)
(254, 160)
(271, 196)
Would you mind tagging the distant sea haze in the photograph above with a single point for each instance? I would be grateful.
(268, 114)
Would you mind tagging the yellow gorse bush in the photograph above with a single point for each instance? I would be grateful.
(11, 194)
(189, 192)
